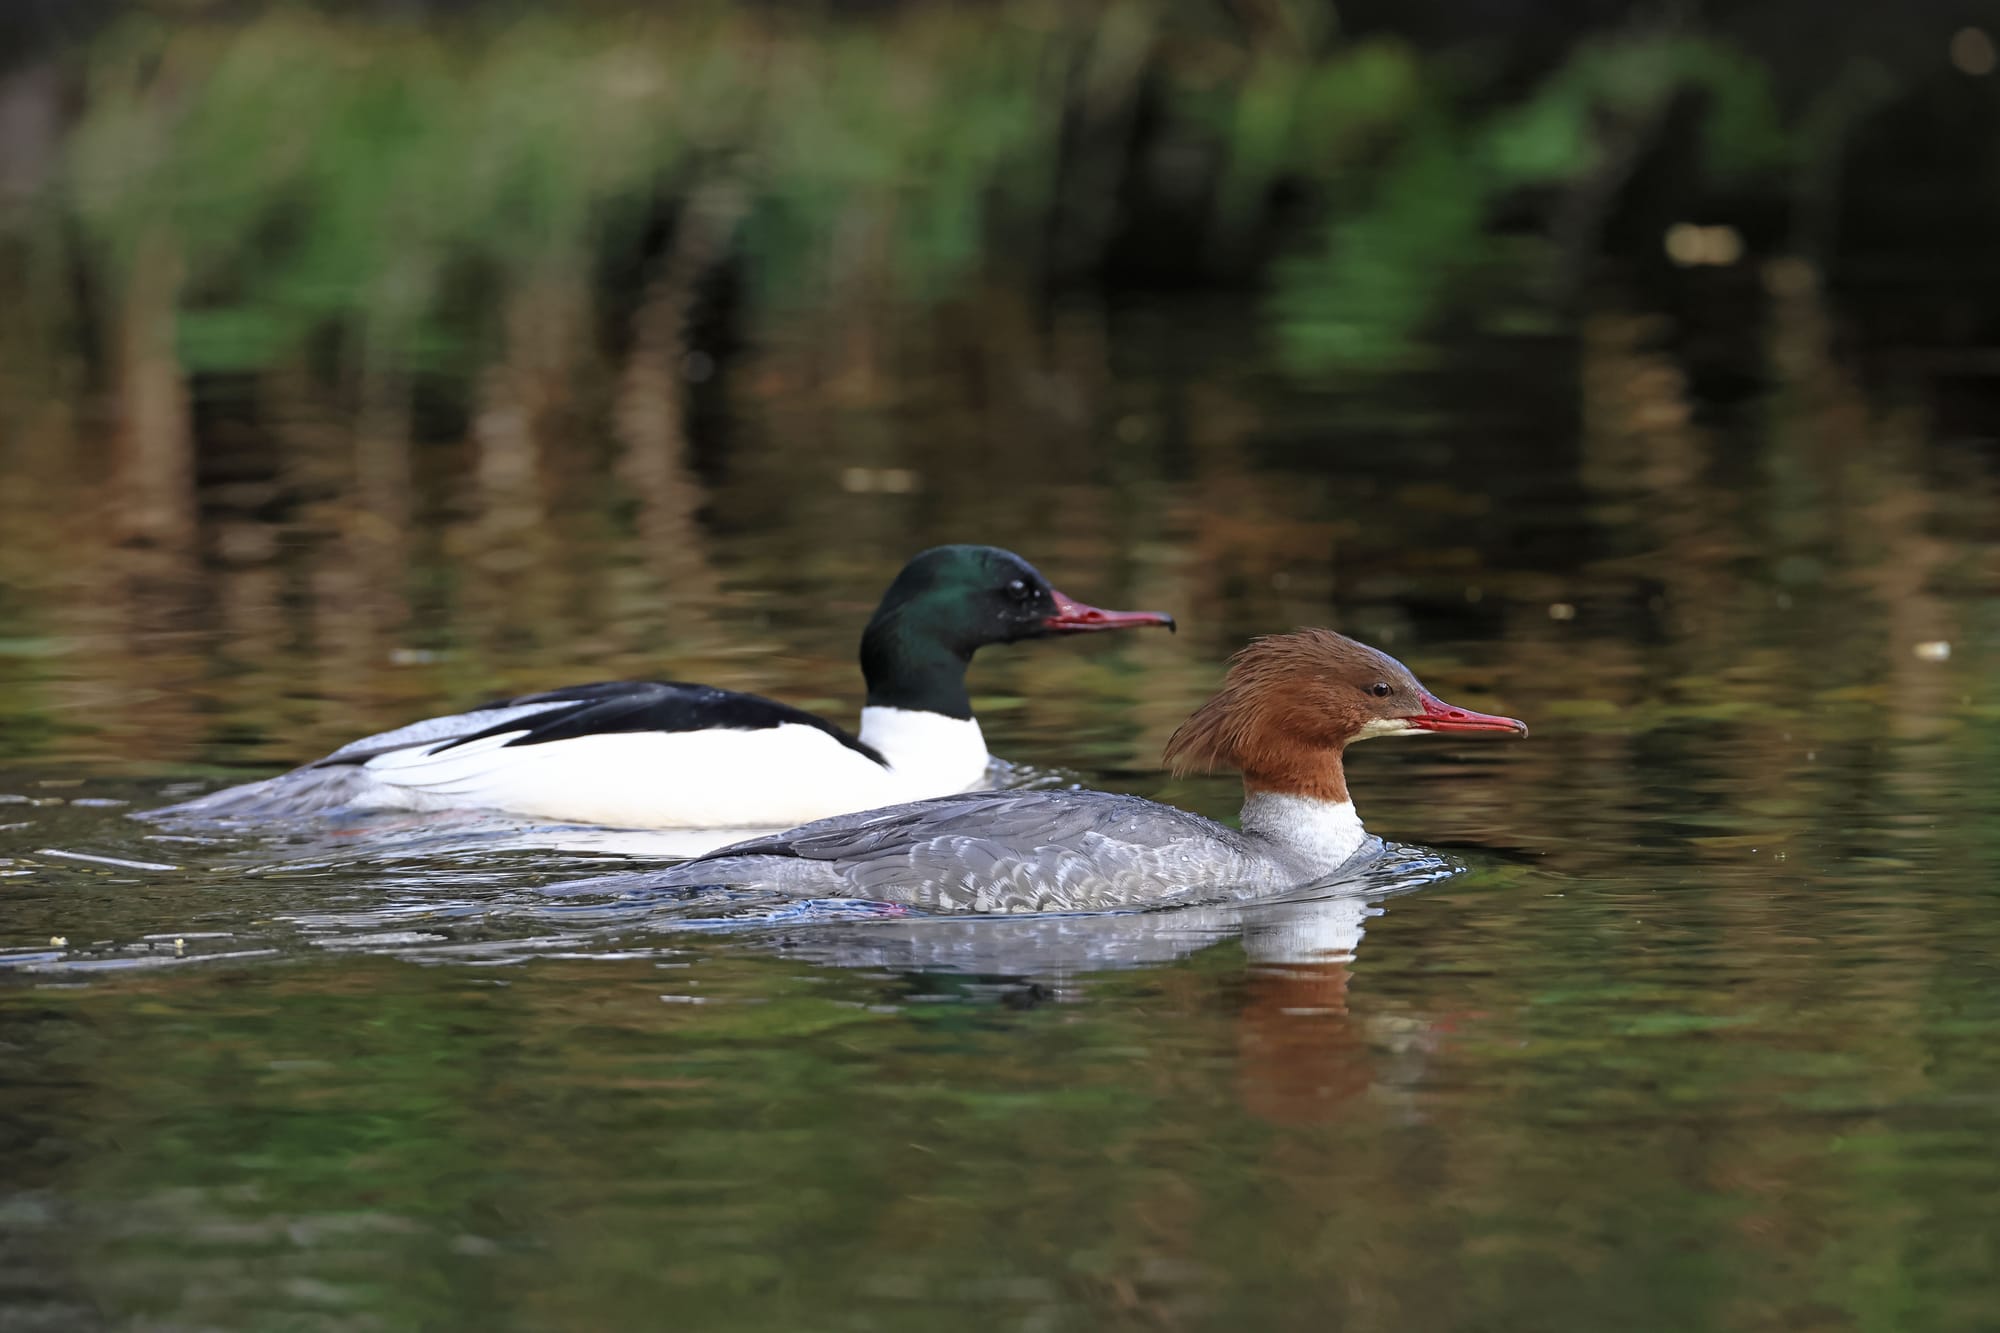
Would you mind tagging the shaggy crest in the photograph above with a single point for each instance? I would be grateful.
(1289, 705)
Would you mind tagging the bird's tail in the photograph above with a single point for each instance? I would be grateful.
(303, 791)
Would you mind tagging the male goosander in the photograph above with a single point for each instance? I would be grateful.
(665, 754)
(1288, 709)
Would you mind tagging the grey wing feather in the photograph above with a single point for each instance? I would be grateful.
(1007, 818)
(989, 852)
(451, 727)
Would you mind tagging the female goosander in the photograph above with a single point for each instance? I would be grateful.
(665, 754)
(1288, 709)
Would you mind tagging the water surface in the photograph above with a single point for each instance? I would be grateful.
(1699, 1034)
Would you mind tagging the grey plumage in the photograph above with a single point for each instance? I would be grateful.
(1004, 851)
(339, 780)
(438, 730)
(301, 792)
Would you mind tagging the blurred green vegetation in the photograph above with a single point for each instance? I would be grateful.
(374, 190)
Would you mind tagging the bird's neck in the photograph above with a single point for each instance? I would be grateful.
(1311, 774)
(1304, 808)
(913, 671)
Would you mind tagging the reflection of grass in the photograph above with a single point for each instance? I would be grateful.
(370, 187)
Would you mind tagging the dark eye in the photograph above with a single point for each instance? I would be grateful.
(1019, 590)
(1380, 689)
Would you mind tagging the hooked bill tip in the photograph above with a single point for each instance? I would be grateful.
(1441, 716)
(1074, 615)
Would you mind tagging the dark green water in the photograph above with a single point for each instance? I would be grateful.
(1703, 1036)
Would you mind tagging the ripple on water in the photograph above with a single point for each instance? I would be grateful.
(477, 891)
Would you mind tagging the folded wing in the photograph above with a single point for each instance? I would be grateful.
(991, 851)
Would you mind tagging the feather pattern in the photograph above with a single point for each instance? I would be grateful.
(1009, 851)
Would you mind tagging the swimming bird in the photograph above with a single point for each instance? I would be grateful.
(668, 754)
(1287, 711)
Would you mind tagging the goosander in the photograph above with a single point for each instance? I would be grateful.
(1288, 709)
(666, 754)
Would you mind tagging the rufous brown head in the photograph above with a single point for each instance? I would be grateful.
(1292, 702)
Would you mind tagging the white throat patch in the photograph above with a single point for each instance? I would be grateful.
(1388, 726)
